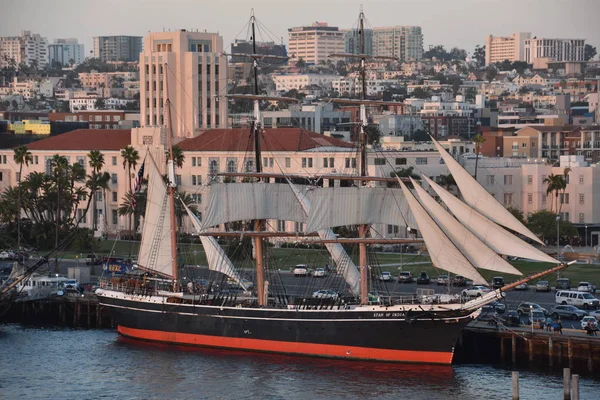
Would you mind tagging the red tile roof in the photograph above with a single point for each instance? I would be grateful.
(85, 139)
(279, 139)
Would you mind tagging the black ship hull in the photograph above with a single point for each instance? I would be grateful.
(375, 334)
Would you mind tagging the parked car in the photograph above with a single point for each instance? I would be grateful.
(595, 314)
(497, 282)
(579, 299)
(405, 277)
(542, 286)
(423, 278)
(325, 294)
(522, 286)
(442, 280)
(385, 276)
(320, 272)
(537, 319)
(5, 255)
(459, 281)
(525, 308)
(511, 318)
(586, 287)
(301, 270)
(563, 284)
(475, 291)
(70, 284)
(495, 306)
(588, 319)
(566, 311)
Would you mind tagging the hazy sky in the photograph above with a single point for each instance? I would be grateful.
(462, 23)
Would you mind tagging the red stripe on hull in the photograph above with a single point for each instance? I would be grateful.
(272, 346)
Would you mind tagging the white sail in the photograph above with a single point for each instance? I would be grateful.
(248, 201)
(155, 248)
(496, 237)
(442, 251)
(477, 252)
(341, 258)
(477, 197)
(342, 206)
(217, 260)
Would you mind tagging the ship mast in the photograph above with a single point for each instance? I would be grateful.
(171, 185)
(258, 224)
(363, 229)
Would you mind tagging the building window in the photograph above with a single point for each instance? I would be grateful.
(288, 162)
(178, 180)
(564, 216)
(36, 159)
(529, 179)
(529, 198)
(508, 199)
(393, 229)
(193, 161)
(196, 180)
(401, 161)
(581, 179)
(115, 217)
(114, 196)
(0, 176)
(421, 161)
(298, 227)
(543, 199)
(354, 162)
(281, 225)
(581, 198)
(213, 167)
(307, 162)
(581, 218)
(265, 162)
(113, 178)
(81, 216)
(347, 164)
(271, 162)
(489, 180)
(508, 179)
(114, 160)
(564, 198)
(99, 196)
(380, 161)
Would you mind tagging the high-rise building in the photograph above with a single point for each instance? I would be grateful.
(511, 48)
(193, 67)
(314, 43)
(117, 48)
(26, 48)
(266, 48)
(540, 51)
(402, 42)
(66, 51)
(352, 41)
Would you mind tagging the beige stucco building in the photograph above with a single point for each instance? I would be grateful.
(193, 67)
(500, 48)
(314, 43)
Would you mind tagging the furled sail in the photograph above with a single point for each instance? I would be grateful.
(338, 254)
(217, 260)
(442, 251)
(155, 252)
(477, 197)
(496, 237)
(477, 252)
(247, 201)
(342, 206)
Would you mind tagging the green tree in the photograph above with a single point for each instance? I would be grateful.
(300, 64)
(178, 157)
(518, 214)
(130, 158)
(490, 73)
(405, 173)
(420, 93)
(21, 156)
(373, 134)
(421, 136)
(543, 224)
(479, 55)
(478, 140)
(470, 94)
(589, 52)
(95, 181)
(100, 104)
(555, 184)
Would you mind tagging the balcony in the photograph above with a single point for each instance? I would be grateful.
(554, 146)
(587, 145)
(545, 146)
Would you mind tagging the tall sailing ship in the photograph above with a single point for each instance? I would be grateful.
(461, 236)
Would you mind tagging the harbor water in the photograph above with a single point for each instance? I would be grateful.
(98, 364)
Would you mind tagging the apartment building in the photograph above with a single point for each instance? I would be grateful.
(118, 48)
(541, 51)
(352, 41)
(402, 42)
(27, 48)
(98, 119)
(500, 48)
(97, 80)
(549, 142)
(66, 52)
(301, 81)
(314, 43)
(194, 67)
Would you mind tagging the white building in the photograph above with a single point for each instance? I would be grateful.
(26, 48)
(65, 51)
(283, 83)
(436, 107)
(314, 43)
(511, 48)
(541, 51)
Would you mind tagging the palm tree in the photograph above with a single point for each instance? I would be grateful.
(563, 186)
(59, 167)
(180, 212)
(96, 162)
(478, 140)
(130, 159)
(555, 184)
(22, 156)
(178, 156)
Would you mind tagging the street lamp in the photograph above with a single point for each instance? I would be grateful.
(531, 316)
(586, 236)
(558, 242)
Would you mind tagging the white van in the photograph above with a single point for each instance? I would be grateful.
(578, 299)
